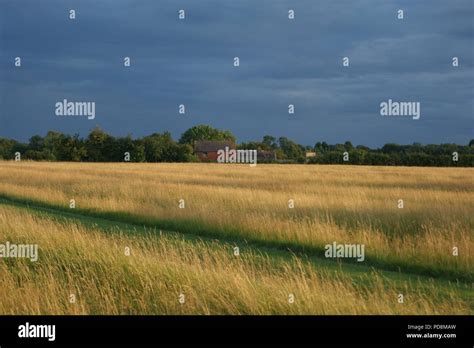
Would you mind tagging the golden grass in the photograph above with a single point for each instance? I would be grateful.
(92, 265)
(346, 204)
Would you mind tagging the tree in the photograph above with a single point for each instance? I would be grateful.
(43, 155)
(292, 150)
(37, 151)
(6, 148)
(162, 148)
(138, 152)
(392, 148)
(270, 142)
(36, 143)
(99, 145)
(72, 149)
(53, 141)
(204, 132)
(321, 147)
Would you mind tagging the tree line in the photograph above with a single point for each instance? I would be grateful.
(99, 146)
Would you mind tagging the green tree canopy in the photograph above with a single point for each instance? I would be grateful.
(204, 132)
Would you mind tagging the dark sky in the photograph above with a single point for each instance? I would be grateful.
(282, 62)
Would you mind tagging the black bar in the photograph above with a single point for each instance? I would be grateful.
(242, 330)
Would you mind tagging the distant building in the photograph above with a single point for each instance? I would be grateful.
(266, 156)
(310, 156)
(206, 150)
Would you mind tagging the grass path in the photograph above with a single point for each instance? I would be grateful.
(108, 219)
(359, 273)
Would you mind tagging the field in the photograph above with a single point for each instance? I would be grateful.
(182, 223)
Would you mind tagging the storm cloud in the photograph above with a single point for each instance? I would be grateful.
(282, 62)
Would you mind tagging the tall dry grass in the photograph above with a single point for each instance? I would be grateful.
(346, 204)
(93, 266)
